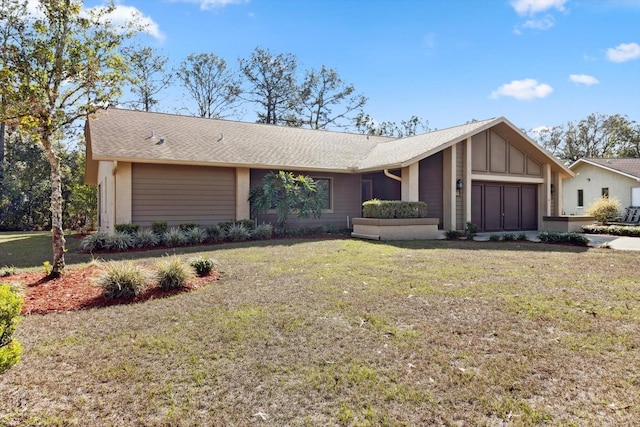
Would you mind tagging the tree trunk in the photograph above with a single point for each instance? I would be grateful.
(57, 231)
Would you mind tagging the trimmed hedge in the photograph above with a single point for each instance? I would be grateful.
(388, 209)
(575, 239)
(616, 230)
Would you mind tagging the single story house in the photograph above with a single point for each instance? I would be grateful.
(594, 178)
(156, 166)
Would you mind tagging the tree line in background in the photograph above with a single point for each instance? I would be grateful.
(65, 63)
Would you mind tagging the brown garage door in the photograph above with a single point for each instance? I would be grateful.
(504, 207)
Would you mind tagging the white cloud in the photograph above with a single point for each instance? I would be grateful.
(523, 89)
(212, 4)
(540, 24)
(583, 79)
(531, 7)
(624, 52)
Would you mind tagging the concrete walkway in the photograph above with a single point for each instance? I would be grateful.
(622, 243)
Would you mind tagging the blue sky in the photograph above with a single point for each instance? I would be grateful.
(536, 62)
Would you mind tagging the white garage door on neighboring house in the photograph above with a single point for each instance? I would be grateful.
(635, 196)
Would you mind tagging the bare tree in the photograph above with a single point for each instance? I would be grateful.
(326, 100)
(148, 75)
(210, 83)
(414, 125)
(271, 84)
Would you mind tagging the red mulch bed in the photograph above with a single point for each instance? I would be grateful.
(76, 290)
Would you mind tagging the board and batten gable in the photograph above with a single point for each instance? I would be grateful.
(493, 154)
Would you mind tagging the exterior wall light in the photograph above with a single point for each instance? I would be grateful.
(459, 184)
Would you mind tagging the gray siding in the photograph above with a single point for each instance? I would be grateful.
(180, 194)
(430, 190)
(346, 195)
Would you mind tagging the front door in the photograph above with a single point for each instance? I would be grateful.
(504, 207)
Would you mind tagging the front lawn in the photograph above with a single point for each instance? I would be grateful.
(347, 332)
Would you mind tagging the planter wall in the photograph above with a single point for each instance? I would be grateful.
(566, 223)
(396, 229)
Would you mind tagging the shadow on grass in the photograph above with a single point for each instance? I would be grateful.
(31, 249)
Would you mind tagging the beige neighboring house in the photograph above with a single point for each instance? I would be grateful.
(594, 178)
(154, 166)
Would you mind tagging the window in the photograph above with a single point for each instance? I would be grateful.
(580, 198)
(325, 184)
(605, 192)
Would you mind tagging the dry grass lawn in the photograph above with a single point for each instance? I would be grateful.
(345, 332)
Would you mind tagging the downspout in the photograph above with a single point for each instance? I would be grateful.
(392, 176)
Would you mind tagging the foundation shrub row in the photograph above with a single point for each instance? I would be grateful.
(131, 236)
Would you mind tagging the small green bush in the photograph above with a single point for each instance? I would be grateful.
(172, 273)
(453, 234)
(10, 307)
(495, 237)
(127, 228)
(238, 233)
(94, 242)
(146, 238)
(195, 235)
(470, 229)
(187, 226)
(174, 237)
(159, 227)
(387, 209)
(509, 237)
(576, 239)
(121, 280)
(202, 265)
(249, 224)
(7, 271)
(605, 209)
(262, 232)
(521, 236)
(119, 241)
(215, 233)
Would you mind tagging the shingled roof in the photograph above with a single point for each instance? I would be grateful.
(137, 136)
(628, 167)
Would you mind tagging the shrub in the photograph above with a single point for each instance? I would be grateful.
(385, 209)
(121, 280)
(576, 239)
(453, 234)
(195, 236)
(509, 237)
(202, 265)
(146, 239)
(119, 241)
(127, 228)
(174, 237)
(470, 229)
(521, 236)
(494, 237)
(10, 306)
(95, 242)
(159, 227)
(249, 224)
(215, 233)
(238, 233)
(605, 209)
(7, 271)
(172, 273)
(616, 230)
(262, 232)
(188, 226)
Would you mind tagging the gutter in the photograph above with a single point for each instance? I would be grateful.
(392, 176)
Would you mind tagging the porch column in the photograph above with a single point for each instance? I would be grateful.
(122, 175)
(466, 183)
(243, 184)
(449, 188)
(410, 183)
